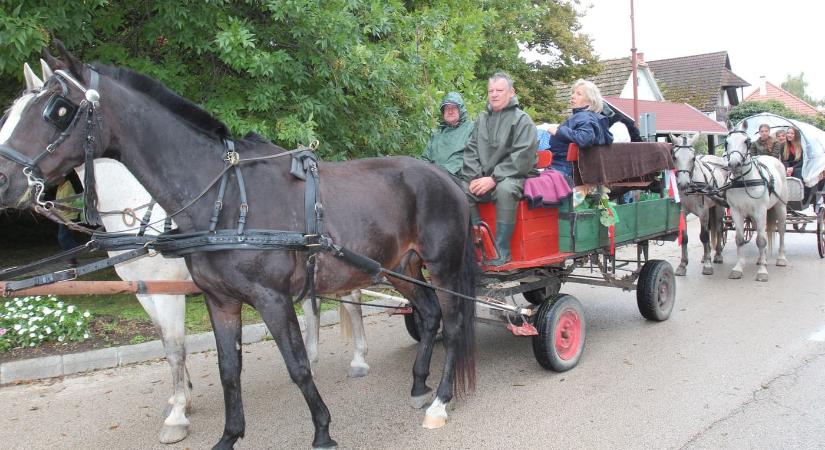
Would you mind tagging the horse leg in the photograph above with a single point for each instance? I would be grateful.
(739, 223)
(429, 314)
(780, 212)
(313, 329)
(167, 313)
(277, 312)
(716, 233)
(436, 414)
(704, 236)
(760, 223)
(681, 270)
(225, 315)
(358, 367)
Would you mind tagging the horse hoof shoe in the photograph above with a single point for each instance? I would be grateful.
(735, 275)
(781, 262)
(170, 434)
(680, 271)
(432, 423)
(707, 270)
(358, 371)
(761, 277)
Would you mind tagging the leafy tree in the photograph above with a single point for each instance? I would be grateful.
(362, 76)
(747, 109)
(797, 85)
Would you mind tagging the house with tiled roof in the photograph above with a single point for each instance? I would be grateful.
(768, 91)
(705, 82)
(671, 118)
(616, 80)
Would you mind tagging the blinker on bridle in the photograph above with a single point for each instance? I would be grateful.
(62, 113)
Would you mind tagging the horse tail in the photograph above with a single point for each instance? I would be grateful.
(715, 225)
(464, 381)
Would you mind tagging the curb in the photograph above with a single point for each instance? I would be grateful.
(106, 358)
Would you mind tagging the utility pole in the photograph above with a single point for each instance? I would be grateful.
(633, 62)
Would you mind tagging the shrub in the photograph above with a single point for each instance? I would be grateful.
(31, 321)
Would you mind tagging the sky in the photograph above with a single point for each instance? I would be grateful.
(770, 38)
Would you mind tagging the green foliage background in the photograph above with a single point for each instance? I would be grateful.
(362, 76)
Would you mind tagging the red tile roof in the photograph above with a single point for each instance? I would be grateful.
(793, 102)
(670, 117)
(696, 79)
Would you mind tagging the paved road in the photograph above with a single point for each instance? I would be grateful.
(740, 364)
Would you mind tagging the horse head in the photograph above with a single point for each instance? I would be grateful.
(43, 136)
(736, 145)
(684, 157)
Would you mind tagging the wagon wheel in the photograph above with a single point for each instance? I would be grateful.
(411, 322)
(820, 231)
(539, 296)
(562, 330)
(656, 290)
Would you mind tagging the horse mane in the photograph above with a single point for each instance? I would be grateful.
(185, 109)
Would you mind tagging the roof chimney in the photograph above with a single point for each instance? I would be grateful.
(763, 88)
(640, 59)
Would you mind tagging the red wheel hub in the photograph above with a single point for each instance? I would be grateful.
(568, 334)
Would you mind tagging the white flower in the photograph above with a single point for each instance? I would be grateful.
(33, 327)
(58, 312)
(31, 345)
(40, 336)
(70, 309)
(17, 326)
(32, 335)
(87, 314)
(59, 304)
(62, 318)
(22, 331)
(60, 339)
(7, 304)
(47, 310)
(79, 323)
(18, 303)
(24, 316)
(30, 307)
(85, 335)
(48, 330)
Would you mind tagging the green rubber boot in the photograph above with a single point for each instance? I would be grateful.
(504, 232)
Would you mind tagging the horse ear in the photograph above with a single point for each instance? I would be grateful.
(673, 138)
(71, 63)
(32, 82)
(695, 138)
(47, 71)
(729, 124)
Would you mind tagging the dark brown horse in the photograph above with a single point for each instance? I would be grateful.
(389, 209)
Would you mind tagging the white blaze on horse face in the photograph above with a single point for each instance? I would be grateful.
(15, 113)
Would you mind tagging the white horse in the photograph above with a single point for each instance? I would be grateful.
(123, 202)
(757, 190)
(696, 177)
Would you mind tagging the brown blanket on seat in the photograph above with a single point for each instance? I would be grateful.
(624, 161)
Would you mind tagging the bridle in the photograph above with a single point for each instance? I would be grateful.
(729, 152)
(62, 113)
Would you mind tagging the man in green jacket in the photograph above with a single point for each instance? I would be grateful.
(446, 145)
(499, 155)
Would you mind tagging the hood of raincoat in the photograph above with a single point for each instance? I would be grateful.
(453, 98)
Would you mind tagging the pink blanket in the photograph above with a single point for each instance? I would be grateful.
(547, 189)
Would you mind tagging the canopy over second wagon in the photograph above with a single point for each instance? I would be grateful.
(813, 142)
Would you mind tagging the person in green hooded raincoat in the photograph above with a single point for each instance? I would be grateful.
(498, 157)
(446, 146)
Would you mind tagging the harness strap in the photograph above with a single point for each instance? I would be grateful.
(71, 274)
(17, 271)
(144, 221)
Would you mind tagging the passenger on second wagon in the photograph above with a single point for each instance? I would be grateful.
(500, 154)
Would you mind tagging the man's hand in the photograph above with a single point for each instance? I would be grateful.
(552, 129)
(481, 186)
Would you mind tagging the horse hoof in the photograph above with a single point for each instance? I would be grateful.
(707, 270)
(761, 277)
(358, 371)
(680, 271)
(717, 259)
(434, 422)
(167, 410)
(420, 401)
(170, 434)
(782, 262)
(333, 446)
(735, 275)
